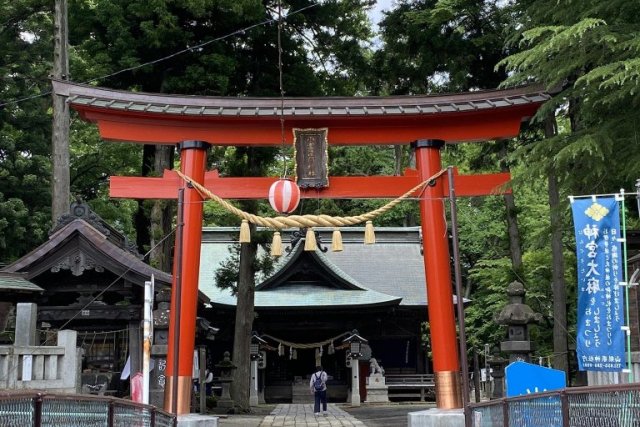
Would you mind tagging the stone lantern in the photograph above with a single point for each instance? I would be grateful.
(497, 365)
(517, 316)
(226, 368)
(355, 351)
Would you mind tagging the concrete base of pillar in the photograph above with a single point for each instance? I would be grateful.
(253, 399)
(436, 418)
(197, 420)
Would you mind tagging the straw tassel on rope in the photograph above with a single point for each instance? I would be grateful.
(245, 232)
(276, 244)
(310, 240)
(369, 235)
(336, 240)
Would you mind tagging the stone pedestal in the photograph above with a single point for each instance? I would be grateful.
(225, 400)
(436, 418)
(377, 390)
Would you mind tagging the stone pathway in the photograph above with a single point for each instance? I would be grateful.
(285, 415)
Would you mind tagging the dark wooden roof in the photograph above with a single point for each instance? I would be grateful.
(92, 242)
(82, 210)
(104, 98)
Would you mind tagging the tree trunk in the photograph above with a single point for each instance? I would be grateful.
(60, 177)
(161, 215)
(243, 326)
(397, 151)
(515, 247)
(560, 358)
(246, 291)
(143, 237)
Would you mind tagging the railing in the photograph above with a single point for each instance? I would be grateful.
(580, 406)
(53, 368)
(67, 410)
(409, 385)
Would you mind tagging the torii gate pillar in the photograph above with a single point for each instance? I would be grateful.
(184, 290)
(446, 365)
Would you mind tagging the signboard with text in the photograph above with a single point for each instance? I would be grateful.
(312, 158)
(600, 337)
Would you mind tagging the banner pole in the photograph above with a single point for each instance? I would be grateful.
(626, 281)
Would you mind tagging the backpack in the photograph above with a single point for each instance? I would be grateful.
(318, 385)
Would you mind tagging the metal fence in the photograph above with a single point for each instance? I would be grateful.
(70, 410)
(597, 406)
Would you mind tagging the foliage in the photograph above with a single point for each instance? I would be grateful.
(440, 45)
(585, 52)
(226, 276)
(588, 53)
(25, 127)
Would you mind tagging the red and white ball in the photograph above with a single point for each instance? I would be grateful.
(284, 196)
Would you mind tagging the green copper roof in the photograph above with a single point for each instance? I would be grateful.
(388, 272)
(10, 282)
(301, 295)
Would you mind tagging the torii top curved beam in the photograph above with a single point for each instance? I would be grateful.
(169, 119)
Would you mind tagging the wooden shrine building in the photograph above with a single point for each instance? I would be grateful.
(312, 300)
(88, 277)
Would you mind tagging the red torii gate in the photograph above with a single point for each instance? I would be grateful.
(427, 122)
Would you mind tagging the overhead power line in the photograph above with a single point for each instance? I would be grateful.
(172, 55)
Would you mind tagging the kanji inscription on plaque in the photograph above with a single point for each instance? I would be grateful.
(311, 157)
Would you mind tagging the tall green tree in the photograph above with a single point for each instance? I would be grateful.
(25, 126)
(588, 54)
(440, 46)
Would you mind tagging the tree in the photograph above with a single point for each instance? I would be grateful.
(588, 54)
(440, 46)
(25, 126)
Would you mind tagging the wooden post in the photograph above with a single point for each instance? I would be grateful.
(202, 356)
(60, 181)
(476, 375)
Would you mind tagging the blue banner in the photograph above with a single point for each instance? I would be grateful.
(601, 340)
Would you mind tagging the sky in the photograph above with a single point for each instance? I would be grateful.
(376, 11)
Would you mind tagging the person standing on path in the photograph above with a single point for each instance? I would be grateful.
(318, 386)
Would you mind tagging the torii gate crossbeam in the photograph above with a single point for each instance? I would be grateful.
(427, 122)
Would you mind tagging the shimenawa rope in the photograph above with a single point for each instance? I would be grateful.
(304, 221)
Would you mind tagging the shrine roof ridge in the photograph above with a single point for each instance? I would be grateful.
(81, 95)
